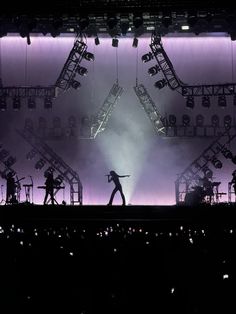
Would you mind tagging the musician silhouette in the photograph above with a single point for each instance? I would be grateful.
(49, 184)
(207, 187)
(233, 181)
(113, 176)
(11, 188)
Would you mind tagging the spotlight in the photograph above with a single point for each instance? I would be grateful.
(227, 153)
(172, 120)
(215, 121)
(96, 40)
(216, 163)
(135, 42)
(112, 21)
(82, 71)
(40, 164)
(115, 42)
(186, 120)
(207, 172)
(3, 103)
(160, 84)
(199, 120)
(75, 84)
(88, 56)
(147, 57)
(124, 26)
(227, 122)
(190, 102)
(222, 101)
(47, 103)
(31, 103)
(138, 20)
(16, 103)
(206, 101)
(154, 70)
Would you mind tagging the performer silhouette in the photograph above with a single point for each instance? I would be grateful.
(113, 176)
(49, 184)
(233, 181)
(11, 188)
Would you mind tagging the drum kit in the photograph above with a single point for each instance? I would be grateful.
(200, 194)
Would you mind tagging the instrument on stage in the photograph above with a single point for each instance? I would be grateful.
(27, 185)
(215, 183)
(55, 187)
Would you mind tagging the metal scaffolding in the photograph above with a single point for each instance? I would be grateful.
(71, 65)
(97, 124)
(29, 91)
(190, 176)
(150, 108)
(56, 162)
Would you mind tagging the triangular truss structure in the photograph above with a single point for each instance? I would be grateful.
(150, 108)
(57, 163)
(98, 123)
(190, 175)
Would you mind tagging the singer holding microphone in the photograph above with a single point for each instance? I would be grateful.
(113, 176)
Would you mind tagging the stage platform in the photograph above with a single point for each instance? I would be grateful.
(223, 212)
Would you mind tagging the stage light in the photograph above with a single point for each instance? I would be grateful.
(215, 121)
(75, 84)
(160, 84)
(227, 122)
(135, 42)
(115, 42)
(112, 21)
(185, 120)
(48, 103)
(190, 102)
(199, 120)
(216, 163)
(83, 23)
(28, 39)
(96, 40)
(154, 70)
(185, 27)
(206, 101)
(31, 154)
(222, 101)
(3, 103)
(88, 56)
(31, 103)
(147, 57)
(227, 153)
(137, 20)
(55, 27)
(124, 26)
(82, 71)
(16, 103)
(40, 164)
(207, 172)
(172, 120)
(167, 21)
(48, 171)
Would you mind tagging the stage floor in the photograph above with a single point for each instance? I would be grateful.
(203, 213)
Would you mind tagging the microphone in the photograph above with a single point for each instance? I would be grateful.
(107, 175)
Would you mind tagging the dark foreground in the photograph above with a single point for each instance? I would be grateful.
(133, 259)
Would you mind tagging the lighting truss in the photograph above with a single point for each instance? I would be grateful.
(175, 83)
(26, 92)
(164, 63)
(190, 175)
(99, 122)
(68, 174)
(71, 65)
(150, 108)
(208, 90)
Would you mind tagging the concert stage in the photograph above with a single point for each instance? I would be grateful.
(204, 213)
